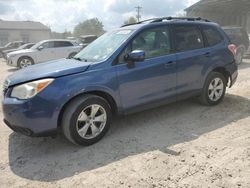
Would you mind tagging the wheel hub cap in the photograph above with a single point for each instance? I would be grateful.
(91, 121)
(216, 89)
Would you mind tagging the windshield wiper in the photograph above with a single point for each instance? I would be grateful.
(79, 59)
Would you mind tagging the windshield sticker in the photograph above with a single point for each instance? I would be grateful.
(123, 32)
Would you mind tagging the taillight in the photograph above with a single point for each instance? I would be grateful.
(233, 49)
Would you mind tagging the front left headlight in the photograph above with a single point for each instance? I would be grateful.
(30, 89)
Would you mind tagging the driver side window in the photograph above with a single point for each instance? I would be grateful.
(154, 42)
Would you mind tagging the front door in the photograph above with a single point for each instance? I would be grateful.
(152, 81)
(47, 52)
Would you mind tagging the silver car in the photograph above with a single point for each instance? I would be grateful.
(43, 51)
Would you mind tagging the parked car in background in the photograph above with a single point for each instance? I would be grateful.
(11, 45)
(43, 51)
(247, 55)
(87, 39)
(25, 46)
(240, 38)
(126, 70)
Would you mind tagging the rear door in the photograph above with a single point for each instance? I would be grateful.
(192, 57)
(152, 81)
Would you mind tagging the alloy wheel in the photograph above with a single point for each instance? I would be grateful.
(91, 121)
(215, 89)
(25, 63)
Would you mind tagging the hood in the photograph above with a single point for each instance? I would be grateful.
(8, 51)
(25, 51)
(51, 69)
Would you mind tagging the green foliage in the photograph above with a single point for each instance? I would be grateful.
(131, 20)
(89, 27)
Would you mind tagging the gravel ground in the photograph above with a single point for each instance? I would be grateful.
(180, 145)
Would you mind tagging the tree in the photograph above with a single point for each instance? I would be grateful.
(89, 27)
(66, 34)
(181, 14)
(131, 20)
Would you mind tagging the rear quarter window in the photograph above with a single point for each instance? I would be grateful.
(212, 35)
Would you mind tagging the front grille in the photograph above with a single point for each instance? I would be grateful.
(5, 87)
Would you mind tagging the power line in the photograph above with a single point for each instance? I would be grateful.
(138, 10)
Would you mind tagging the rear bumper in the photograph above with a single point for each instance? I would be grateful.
(232, 69)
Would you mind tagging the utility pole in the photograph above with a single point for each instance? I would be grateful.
(138, 10)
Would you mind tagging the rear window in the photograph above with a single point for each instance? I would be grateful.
(212, 35)
(188, 38)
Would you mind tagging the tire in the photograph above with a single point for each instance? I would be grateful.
(212, 94)
(24, 62)
(72, 55)
(239, 57)
(77, 123)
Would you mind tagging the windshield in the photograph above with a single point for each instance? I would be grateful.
(104, 46)
(7, 45)
(22, 47)
(37, 45)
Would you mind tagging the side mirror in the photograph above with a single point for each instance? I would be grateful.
(135, 56)
(40, 48)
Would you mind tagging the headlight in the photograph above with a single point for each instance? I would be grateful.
(30, 89)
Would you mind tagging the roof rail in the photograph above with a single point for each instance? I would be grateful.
(180, 18)
(148, 20)
(155, 20)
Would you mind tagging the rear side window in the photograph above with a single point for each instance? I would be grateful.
(212, 35)
(60, 44)
(188, 38)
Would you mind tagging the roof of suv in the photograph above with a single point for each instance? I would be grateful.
(168, 20)
(49, 40)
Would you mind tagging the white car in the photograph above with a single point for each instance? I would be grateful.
(43, 51)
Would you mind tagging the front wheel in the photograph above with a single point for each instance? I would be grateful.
(86, 120)
(214, 89)
(25, 62)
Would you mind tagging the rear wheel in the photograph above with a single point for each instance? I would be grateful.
(214, 89)
(86, 120)
(25, 62)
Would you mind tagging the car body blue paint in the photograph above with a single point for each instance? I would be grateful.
(154, 81)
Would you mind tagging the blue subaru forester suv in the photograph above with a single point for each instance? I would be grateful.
(129, 69)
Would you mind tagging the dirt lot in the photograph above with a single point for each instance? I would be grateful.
(179, 145)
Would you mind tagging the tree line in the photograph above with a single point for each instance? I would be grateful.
(90, 27)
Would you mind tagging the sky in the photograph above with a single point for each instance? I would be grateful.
(61, 15)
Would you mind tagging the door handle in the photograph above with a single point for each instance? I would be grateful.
(208, 54)
(170, 63)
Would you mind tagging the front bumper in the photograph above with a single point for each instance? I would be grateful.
(11, 61)
(35, 117)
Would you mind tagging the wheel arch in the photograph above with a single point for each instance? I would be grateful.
(102, 94)
(224, 72)
(25, 56)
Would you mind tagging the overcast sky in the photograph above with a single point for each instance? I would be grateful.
(61, 15)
